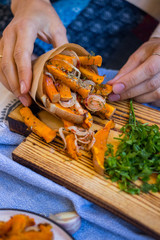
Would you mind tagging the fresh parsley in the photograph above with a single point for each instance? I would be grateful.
(137, 157)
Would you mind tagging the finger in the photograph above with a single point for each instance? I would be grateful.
(144, 87)
(7, 64)
(133, 62)
(140, 89)
(22, 55)
(59, 38)
(9, 68)
(59, 34)
(143, 72)
(25, 100)
(149, 97)
(3, 80)
(114, 97)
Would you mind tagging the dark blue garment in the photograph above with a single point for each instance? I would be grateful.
(103, 24)
(97, 25)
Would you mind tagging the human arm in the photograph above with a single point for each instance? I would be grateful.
(32, 19)
(139, 78)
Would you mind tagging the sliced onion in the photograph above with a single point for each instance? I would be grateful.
(89, 83)
(77, 62)
(44, 100)
(84, 137)
(76, 69)
(78, 131)
(88, 139)
(32, 228)
(92, 143)
(94, 102)
(72, 53)
(50, 75)
(69, 103)
(72, 66)
(62, 136)
(84, 142)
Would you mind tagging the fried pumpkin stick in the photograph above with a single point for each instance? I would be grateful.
(91, 60)
(37, 126)
(71, 82)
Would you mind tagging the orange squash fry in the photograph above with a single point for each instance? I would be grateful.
(62, 57)
(107, 111)
(91, 60)
(71, 82)
(71, 147)
(67, 123)
(88, 121)
(103, 89)
(65, 92)
(100, 146)
(91, 75)
(50, 89)
(62, 65)
(36, 125)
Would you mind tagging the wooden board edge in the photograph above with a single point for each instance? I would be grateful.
(18, 127)
(85, 195)
(15, 121)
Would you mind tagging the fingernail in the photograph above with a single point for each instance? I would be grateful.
(118, 88)
(24, 100)
(114, 97)
(23, 87)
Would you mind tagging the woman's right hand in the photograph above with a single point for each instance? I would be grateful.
(32, 19)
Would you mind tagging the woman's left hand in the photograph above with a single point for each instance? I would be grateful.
(139, 78)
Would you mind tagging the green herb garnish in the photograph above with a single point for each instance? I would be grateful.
(137, 156)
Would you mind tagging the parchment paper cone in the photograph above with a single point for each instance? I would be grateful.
(38, 67)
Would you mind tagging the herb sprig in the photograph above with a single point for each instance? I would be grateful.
(137, 156)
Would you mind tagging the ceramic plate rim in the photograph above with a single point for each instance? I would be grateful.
(39, 215)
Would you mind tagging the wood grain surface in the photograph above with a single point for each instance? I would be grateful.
(51, 161)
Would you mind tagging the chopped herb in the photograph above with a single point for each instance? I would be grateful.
(137, 157)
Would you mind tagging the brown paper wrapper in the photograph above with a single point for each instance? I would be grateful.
(38, 68)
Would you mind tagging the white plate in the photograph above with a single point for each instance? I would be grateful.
(59, 233)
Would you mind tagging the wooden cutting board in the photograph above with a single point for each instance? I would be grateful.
(51, 161)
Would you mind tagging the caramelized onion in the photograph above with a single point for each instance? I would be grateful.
(72, 53)
(94, 102)
(50, 75)
(91, 143)
(76, 69)
(78, 131)
(69, 103)
(62, 136)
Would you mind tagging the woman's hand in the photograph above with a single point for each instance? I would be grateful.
(139, 78)
(32, 19)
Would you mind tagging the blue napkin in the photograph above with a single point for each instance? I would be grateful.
(22, 188)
